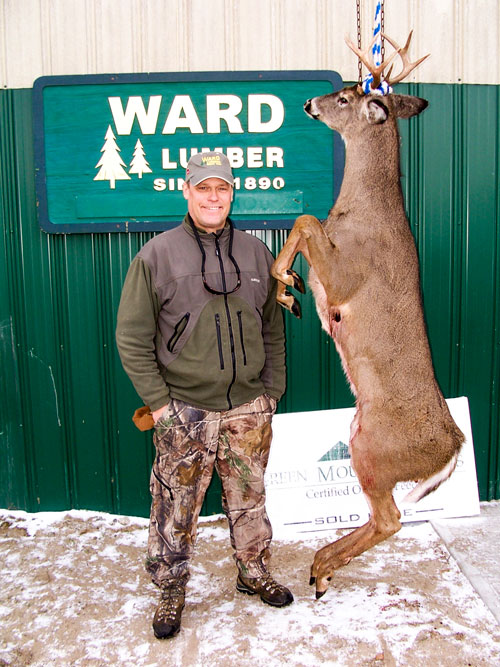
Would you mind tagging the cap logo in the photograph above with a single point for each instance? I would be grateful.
(211, 160)
(210, 164)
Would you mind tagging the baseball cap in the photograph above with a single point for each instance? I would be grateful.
(208, 165)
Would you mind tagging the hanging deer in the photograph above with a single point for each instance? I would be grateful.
(364, 276)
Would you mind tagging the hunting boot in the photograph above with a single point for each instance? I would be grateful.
(269, 590)
(167, 619)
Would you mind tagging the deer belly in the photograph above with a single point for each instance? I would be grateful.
(319, 299)
(331, 319)
(345, 367)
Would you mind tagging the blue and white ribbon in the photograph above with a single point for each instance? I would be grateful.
(383, 88)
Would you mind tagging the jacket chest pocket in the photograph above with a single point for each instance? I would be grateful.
(178, 331)
(242, 337)
(219, 340)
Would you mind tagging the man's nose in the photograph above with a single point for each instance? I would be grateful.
(213, 194)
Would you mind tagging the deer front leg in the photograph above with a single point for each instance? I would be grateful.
(305, 227)
(383, 522)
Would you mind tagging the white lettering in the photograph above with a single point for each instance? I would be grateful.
(228, 114)
(255, 122)
(183, 158)
(165, 159)
(124, 120)
(182, 104)
(183, 115)
(254, 157)
(274, 156)
(159, 184)
(235, 157)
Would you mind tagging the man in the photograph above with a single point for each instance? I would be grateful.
(201, 337)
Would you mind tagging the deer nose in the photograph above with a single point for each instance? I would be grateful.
(308, 108)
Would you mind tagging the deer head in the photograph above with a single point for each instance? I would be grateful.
(377, 71)
(351, 112)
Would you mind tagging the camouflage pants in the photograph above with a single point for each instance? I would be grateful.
(189, 442)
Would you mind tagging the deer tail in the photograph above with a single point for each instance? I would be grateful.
(426, 486)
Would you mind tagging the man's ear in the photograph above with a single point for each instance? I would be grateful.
(375, 110)
(185, 190)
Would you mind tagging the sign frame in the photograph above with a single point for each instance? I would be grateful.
(136, 224)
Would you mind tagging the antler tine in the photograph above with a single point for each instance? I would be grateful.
(375, 70)
(407, 65)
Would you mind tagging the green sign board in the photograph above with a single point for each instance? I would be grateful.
(111, 150)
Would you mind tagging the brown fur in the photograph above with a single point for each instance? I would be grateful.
(364, 275)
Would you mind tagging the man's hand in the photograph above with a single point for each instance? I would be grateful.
(158, 413)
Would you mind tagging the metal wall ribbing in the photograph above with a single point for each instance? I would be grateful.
(66, 435)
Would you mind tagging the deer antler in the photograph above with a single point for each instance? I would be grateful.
(407, 65)
(376, 71)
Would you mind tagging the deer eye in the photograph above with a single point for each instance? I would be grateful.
(343, 101)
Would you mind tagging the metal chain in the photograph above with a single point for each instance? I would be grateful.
(358, 25)
(382, 46)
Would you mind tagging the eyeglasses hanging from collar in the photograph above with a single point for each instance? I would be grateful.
(212, 290)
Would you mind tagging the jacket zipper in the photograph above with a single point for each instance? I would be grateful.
(219, 340)
(178, 331)
(229, 323)
(242, 341)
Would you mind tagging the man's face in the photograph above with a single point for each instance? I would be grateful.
(209, 203)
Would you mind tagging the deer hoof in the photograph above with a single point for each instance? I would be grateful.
(296, 309)
(322, 585)
(321, 574)
(319, 594)
(298, 283)
(289, 302)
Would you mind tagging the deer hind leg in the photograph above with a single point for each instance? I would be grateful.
(383, 522)
(305, 227)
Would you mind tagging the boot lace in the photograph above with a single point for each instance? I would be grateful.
(269, 584)
(172, 598)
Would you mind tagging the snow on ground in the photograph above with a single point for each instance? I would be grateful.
(74, 592)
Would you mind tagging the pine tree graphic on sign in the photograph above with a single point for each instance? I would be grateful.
(139, 164)
(111, 165)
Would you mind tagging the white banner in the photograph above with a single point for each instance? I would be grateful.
(312, 489)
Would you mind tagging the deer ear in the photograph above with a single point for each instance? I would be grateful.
(406, 106)
(375, 111)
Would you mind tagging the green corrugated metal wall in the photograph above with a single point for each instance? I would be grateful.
(67, 440)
